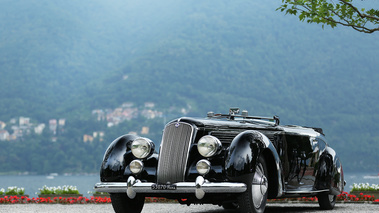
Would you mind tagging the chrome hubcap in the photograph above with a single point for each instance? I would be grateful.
(259, 186)
(331, 198)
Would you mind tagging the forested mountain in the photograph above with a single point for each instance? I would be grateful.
(66, 58)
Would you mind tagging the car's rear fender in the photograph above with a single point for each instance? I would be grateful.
(329, 172)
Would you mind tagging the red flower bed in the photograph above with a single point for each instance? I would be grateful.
(349, 197)
(69, 200)
(346, 197)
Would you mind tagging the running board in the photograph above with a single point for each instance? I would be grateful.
(305, 192)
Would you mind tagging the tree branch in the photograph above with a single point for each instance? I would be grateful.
(364, 15)
(314, 11)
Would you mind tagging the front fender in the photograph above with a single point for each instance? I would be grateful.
(113, 165)
(243, 153)
(242, 157)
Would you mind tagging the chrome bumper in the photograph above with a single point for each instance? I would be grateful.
(199, 188)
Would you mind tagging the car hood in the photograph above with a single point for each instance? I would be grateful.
(242, 124)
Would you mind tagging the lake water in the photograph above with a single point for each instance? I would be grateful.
(85, 183)
(32, 183)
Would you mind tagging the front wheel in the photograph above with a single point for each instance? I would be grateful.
(326, 201)
(122, 203)
(255, 198)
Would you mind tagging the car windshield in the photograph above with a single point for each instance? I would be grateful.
(254, 121)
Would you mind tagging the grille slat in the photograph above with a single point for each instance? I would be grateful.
(174, 152)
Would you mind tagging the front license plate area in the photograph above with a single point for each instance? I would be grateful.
(163, 187)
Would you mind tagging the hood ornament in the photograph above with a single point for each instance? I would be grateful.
(177, 124)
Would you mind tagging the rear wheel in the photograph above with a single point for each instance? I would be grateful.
(255, 198)
(122, 203)
(326, 201)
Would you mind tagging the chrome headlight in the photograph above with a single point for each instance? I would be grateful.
(142, 147)
(209, 146)
(203, 167)
(136, 166)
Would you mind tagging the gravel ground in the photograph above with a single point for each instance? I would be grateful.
(177, 208)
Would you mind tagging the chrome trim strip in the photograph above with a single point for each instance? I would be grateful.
(199, 188)
(306, 192)
(111, 187)
(189, 146)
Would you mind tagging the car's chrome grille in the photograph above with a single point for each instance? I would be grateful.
(173, 154)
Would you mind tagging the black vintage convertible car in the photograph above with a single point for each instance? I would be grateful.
(233, 160)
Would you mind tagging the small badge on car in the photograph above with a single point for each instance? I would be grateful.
(177, 124)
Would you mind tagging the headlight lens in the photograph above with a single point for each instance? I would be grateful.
(208, 146)
(136, 166)
(203, 167)
(141, 147)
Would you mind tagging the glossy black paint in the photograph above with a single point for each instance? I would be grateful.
(216, 173)
(329, 172)
(242, 157)
(298, 158)
(150, 169)
(115, 166)
(243, 153)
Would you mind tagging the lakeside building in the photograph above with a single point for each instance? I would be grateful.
(145, 130)
(22, 126)
(4, 135)
(39, 128)
(24, 121)
(2, 125)
(87, 138)
(53, 125)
